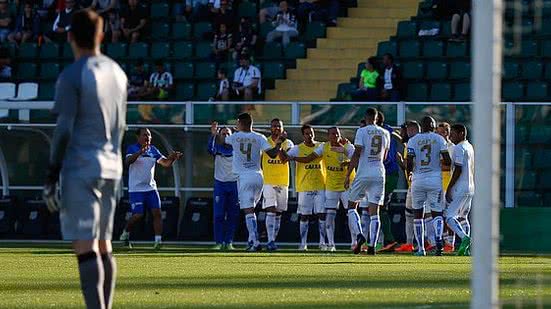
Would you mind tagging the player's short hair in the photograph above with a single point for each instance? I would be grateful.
(305, 127)
(371, 112)
(380, 118)
(245, 118)
(332, 128)
(159, 62)
(389, 56)
(413, 123)
(139, 131)
(460, 128)
(444, 125)
(85, 25)
(276, 120)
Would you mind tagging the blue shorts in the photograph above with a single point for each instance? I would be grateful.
(139, 201)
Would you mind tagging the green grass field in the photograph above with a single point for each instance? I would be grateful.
(193, 277)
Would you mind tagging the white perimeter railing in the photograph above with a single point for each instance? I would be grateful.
(295, 120)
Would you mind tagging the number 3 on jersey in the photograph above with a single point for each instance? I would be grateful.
(427, 151)
(246, 149)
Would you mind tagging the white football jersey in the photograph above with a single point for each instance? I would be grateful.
(463, 155)
(425, 149)
(247, 151)
(375, 142)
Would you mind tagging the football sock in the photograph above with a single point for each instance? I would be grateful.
(321, 227)
(419, 233)
(250, 220)
(466, 227)
(450, 239)
(365, 222)
(354, 222)
(429, 231)
(157, 238)
(90, 267)
(438, 225)
(277, 225)
(454, 224)
(409, 227)
(110, 274)
(303, 232)
(330, 226)
(270, 226)
(374, 227)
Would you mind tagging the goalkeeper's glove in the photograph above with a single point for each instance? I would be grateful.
(50, 192)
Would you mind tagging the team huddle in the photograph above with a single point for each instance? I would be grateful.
(352, 175)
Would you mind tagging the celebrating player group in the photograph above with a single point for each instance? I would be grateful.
(337, 172)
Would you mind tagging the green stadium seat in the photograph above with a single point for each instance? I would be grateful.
(205, 70)
(440, 92)
(138, 51)
(49, 51)
(437, 70)
(273, 50)
(28, 50)
(203, 49)
(116, 50)
(160, 31)
(247, 9)
(49, 70)
(205, 90)
(182, 50)
(185, 91)
(265, 28)
(160, 10)
(181, 31)
(539, 135)
(230, 68)
(536, 91)
(529, 48)
(273, 70)
(523, 159)
(314, 30)
(547, 75)
(541, 160)
(429, 24)
(295, 50)
(26, 71)
(417, 92)
(512, 91)
(546, 48)
(462, 92)
(67, 52)
(390, 47)
(521, 133)
(413, 70)
(160, 50)
(528, 199)
(510, 70)
(344, 91)
(532, 70)
(183, 70)
(546, 27)
(525, 180)
(46, 91)
(446, 29)
(433, 48)
(201, 29)
(457, 49)
(406, 29)
(410, 49)
(460, 70)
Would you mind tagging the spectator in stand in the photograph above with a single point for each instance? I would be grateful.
(138, 83)
(245, 40)
(391, 79)
(367, 86)
(62, 23)
(460, 11)
(5, 20)
(27, 25)
(223, 93)
(133, 21)
(113, 26)
(5, 69)
(221, 45)
(246, 80)
(286, 25)
(224, 15)
(318, 10)
(268, 12)
(160, 82)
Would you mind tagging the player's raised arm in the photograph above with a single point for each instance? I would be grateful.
(273, 152)
(167, 161)
(211, 147)
(318, 152)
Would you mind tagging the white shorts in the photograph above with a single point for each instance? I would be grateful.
(371, 188)
(312, 202)
(460, 205)
(409, 202)
(249, 189)
(332, 199)
(364, 203)
(427, 197)
(277, 196)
